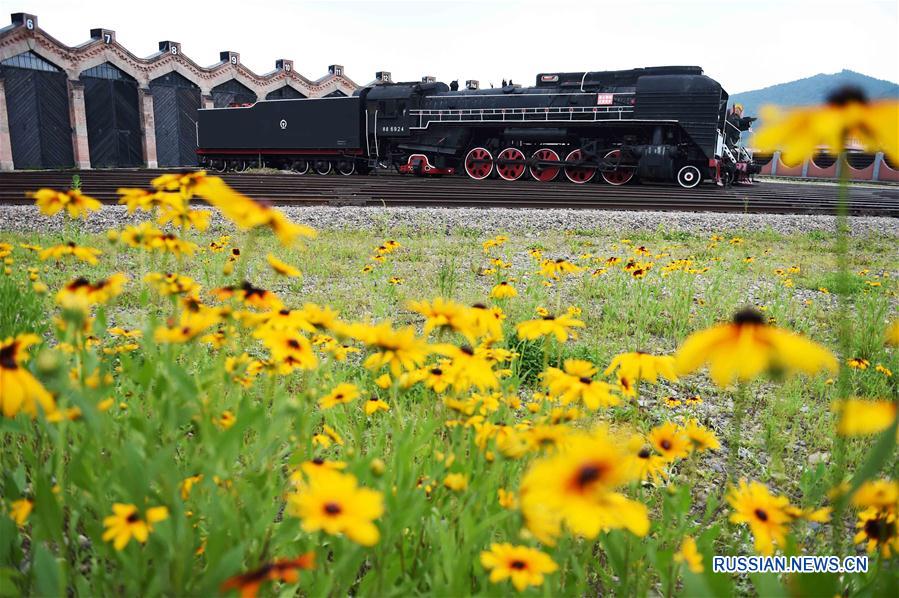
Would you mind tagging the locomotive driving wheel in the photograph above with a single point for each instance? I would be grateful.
(299, 166)
(545, 174)
(688, 177)
(620, 175)
(578, 174)
(478, 163)
(322, 167)
(346, 167)
(510, 164)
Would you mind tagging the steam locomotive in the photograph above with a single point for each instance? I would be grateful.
(653, 124)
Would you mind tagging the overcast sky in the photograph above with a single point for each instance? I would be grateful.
(745, 45)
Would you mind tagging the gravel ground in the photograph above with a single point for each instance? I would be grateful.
(488, 221)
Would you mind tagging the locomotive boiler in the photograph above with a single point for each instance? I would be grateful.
(651, 124)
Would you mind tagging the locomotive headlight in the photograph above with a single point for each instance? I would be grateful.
(283, 124)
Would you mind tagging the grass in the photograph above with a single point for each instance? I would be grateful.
(168, 398)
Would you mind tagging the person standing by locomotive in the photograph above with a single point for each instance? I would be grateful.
(736, 124)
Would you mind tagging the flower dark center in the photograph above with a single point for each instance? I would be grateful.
(588, 474)
(8, 357)
(479, 306)
(318, 461)
(585, 380)
(748, 316)
(879, 529)
(467, 350)
(644, 453)
(437, 371)
(332, 508)
(517, 564)
(549, 317)
(761, 514)
(293, 343)
(666, 444)
(133, 518)
(846, 95)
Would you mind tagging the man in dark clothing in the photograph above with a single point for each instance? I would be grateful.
(736, 124)
(454, 86)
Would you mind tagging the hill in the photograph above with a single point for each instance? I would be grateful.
(813, 90)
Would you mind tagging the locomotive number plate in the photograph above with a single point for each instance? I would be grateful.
(604, 99)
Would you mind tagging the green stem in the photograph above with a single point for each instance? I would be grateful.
(741, 403)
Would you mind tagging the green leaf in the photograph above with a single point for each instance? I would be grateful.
(767, 584)
(48, 576)
(877, 458)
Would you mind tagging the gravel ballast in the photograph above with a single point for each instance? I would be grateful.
(23, 218)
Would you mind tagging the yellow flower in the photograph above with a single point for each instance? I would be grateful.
(19, 390)
(747, 347)
(701, 438)
(341, 395)
(503, 291)
(766, 514)
(858, 363)
(374, 404)
(576, 486)
(187, 485)
(848, 114)
(57, 252)
(466, 368)
(456, 482)
(878, 530)
(180, 216)
(398, 349)
(327, 437)
(172, 284)
(576, 383)
(283, 570)
(883, 370)
(648, 465)
(282, 268)
(81, 293)
(861, 417)
(881, 494)
(670, 441)
(507, 500)
(225, 420)
(689, 554)
(892, 334)
(638, 366)
(522, 565)
(334, 503)
(126, 523)
(19, 510)
(558, 326)
(75, 203)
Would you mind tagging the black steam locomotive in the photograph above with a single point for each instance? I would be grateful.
(655, 124)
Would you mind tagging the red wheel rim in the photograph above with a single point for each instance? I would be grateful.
(545, 173)
(575, 174)
(514, 166)
(619, 176)
(478, 163)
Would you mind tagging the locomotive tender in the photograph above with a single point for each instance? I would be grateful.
(656, 124)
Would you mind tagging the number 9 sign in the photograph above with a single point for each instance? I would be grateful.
(233, 59)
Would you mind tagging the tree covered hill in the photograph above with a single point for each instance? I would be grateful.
(812, 90)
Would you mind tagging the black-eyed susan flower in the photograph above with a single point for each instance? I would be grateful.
(126, 522)
(457, 482)
(281, 267)
(671, 402)
(688, 553)
(327, 437)
(467, 368)
(183, 217)
(561, 327)
(503, 290)
(172, 284)
(883, 370)
(881, 494)
(374, 404)
(693, 400)
(522, 565)
(878, 530)
(575, 383)
(438, 377)
(20, 391)
(74, 202)
(766, 514)
(81, 293)
(342, 394)
(847, 114)
(863, 417)
(334, 503)
(283, 570)
(891, 335)
(858, 363)
(58, 252)
(637, 366)
(747, 347)
(670, 441)
(701, 438)
(649, 465)
(507, 500)
(398, 349)
(576, 487)
(249, 295)
(20, 510)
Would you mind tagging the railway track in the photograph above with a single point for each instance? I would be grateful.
(394, 190)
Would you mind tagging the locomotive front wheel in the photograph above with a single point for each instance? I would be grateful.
(322, 167)
(578, 174)
(300, 166)
(688, 177)
(346, 167)
(620, 175)
(238, 166)
(514, 166)
(544, 174)
(478, 163)
(218, 165)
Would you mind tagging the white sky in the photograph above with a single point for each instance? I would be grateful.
(745, 45)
